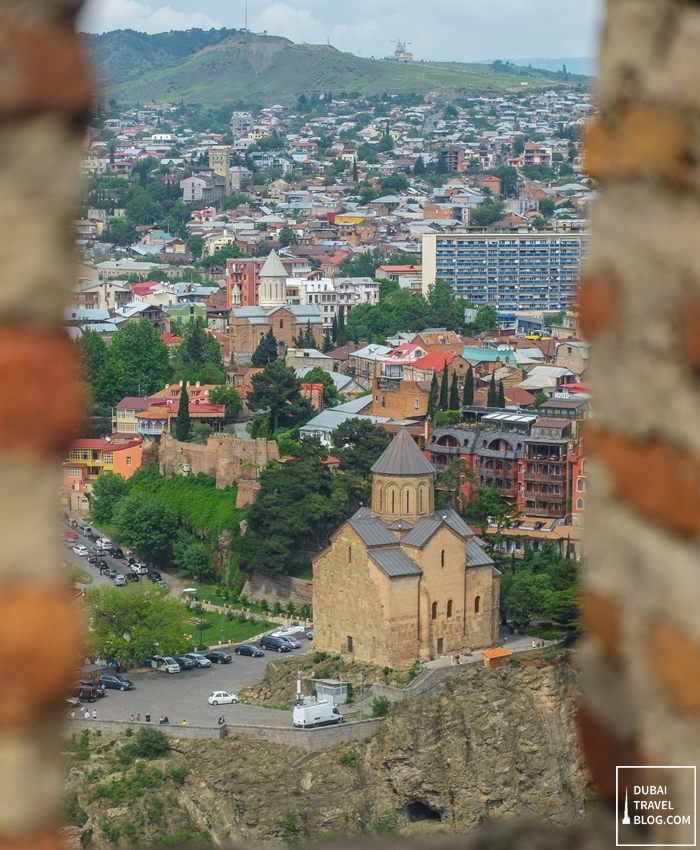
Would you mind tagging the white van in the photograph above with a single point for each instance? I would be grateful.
(165, 663)
(103, 543)
(308, 715)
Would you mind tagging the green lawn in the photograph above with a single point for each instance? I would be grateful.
(79, 575)
(233, 631)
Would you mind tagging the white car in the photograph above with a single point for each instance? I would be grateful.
(119, 581)
(103, 543)
(199, 660)
(222, 698)
(81, 550)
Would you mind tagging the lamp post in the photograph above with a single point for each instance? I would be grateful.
(201, 629)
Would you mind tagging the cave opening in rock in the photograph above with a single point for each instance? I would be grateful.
(421, 811)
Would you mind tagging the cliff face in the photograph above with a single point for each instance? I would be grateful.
(491, 744)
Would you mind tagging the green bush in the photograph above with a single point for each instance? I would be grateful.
(81, 745)
(128, 732)
(130, 832)
(320, 656)
(351, 694)
(151, 743)
(386, 823)
(110, 832)
(75, 814)
(348, 757)
(179, 774)
(380, 707)
(291, 831)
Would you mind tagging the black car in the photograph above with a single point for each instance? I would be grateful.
(99, 689)
(154, 576)
(116, 552)
(85, 693)
(102, 564)
(132, 577)
(91, 536)
(114, 680)
(92, 559)
(217, 657)
(184, 662)
(249, 649)
(275, 644)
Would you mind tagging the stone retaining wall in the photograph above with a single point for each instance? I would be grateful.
(279, 587)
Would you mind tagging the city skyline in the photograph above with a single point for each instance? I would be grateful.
(505, 29)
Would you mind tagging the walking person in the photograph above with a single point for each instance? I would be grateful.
(94, 714)
(86, 716)
(222, 720)
(148, 718)
(138, 717)
(131, 719)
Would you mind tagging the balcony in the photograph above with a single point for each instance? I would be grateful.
(444, 450)
(558, 512)
(540, 478)
(153, 428)
(491, 474)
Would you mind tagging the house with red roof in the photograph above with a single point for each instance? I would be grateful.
(90, 458)
(434, 363)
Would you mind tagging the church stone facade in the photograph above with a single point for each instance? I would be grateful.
(401, 580)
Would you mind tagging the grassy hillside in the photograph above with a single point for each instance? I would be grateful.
(224, 67)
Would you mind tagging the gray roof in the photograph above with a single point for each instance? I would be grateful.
(403, 457)
(373, 531)
(395, 563)
(356, 405)
(332, 417)
(427, 526)
(455, 521)
(476, 556)
(273, 266)
(400, 525)
(362, 513)
(247, 312)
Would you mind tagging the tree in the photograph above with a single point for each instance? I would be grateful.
(441, 167)
(355, 175)
(195, 246)
(92, 353)
(546, 207)
(230, 398)
(182, 424)
(501, 395)
(198, 357)
(457, 474)
(130, 624)
(287, 237)
(487, 213)
(140, 357)
(146, 525)
(487, 318)
(267, 350)
(358, 443)
(540, 398)
(454, 393)
(194, 561)
(433, 396)
(317, 375)
(228, 251)
(276, 390)
(492, 393)
(106, 493)
(419, 167)
(488, 506)
(526, 597)
(508, 176)
(444, 388)
(309, 338)
(334, 329)
(468, 397)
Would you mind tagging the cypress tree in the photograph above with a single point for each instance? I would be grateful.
(309, 338)
(454, 393)
(432, 398)
(342, 334)
(444, 389)
(491, 398)
(355, 175)
(468, 397)
(266, 351)
(501, 397)
(334, 329)
(182, 424)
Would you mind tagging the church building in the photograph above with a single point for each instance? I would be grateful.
(402, 580)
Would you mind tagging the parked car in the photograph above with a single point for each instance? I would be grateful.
(249, 649)
(111, 574)
(310, 634)
(184, 662)
(116, 552)
(86, 693)
(222, 698)
(104, 543)
(81, 550)
(99, 689)
(84, 530)
(218, 657)
(293, 642)
(119, 580)
(313, 714)
(199, 659)
(132, 577)
(91, 536)
(274, 643)
(102, 564)
(162, 583)
(72, 535)
(92, 559)
(95, 551)
(154, 576)
(114, 680)
(140, 569)
(166, 663)
(72, 701)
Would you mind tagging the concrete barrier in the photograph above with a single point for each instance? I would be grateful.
(307, 739)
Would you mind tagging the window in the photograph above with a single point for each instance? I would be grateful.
(383, 401)
(581, 485)
(281, 323)
(350, 645)
(73, 473)
(449, 607)
(434, 611)
(349, 554)
(128, 460)
(381, 498)
(408, 501)
(420, 501)
(416, 404)
(442, 558)
(393, 506)
(579, 504)
(477, 604)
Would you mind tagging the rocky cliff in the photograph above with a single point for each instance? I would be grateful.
(491, 744)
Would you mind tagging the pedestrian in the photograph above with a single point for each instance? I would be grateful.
(131, 719)
(86, 716)
(94, 714)
(138, 717)
(161, 720)
(222, 720)
(184, 723)
(457, 661)
(166, 722)
(148, 718)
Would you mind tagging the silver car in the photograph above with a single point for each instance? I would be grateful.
(199, 660)
(293, 642)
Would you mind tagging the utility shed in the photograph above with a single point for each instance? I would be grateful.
(331, 690)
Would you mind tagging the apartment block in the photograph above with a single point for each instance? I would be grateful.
(513, 272)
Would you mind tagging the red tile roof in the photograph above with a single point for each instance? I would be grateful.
(94, 443)
(435, 360)
(132, 402)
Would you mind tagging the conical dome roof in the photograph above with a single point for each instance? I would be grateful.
(273, 266)
(403, 457)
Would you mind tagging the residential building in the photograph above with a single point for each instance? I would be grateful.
(399, 399)
(513, 272)
(90, 458)
(401, 580)
(161, 415)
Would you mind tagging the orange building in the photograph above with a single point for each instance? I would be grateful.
(90, 458)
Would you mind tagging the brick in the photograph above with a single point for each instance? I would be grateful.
(603, 622)
(39, 370)
(603, 751)
(690, 328)
(43, 71)
(675, 658)
(640, 140)
(598, 304)
(38, 623)
(658, 480)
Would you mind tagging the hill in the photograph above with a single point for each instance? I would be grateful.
(232, 67)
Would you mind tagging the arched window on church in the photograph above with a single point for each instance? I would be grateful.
(442, 558)
(393, 497)
(434, 611)
(449, 607)
(477, 604)
(420, 501)
(408, 501)
(380, 492)
(349, 554)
